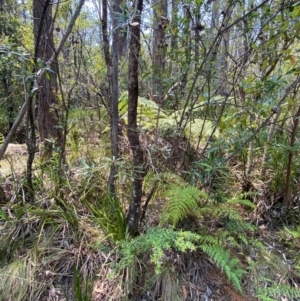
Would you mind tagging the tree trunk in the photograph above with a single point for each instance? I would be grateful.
(134, 213)
(287, 192)
(47, 103)
(113, 106)
(160, 22)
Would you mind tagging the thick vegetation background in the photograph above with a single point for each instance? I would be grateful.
(149, 150)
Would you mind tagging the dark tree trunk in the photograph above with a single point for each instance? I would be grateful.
(113, 105)
(134, 213)
(47, 110)
(105, 33)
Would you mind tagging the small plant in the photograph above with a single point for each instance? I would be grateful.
(158, 242)
(110, 216)
(81, 294)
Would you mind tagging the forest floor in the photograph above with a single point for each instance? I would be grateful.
(189, 276)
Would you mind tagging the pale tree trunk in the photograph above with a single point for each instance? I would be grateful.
(159, 46)
(174, 26)
(123, 34)
(222, 57)
(134, 213)
(47, 103)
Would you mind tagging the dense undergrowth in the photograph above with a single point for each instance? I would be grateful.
(72, 242)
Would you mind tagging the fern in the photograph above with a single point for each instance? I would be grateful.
(294, 233)
(156, 241)
(241, 202)
(210, 240)
(223, 259)
(182, 201)
(147, 112)
(265, 298)
(279, 291)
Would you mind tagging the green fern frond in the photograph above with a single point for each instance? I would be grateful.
(147, 112)
(294, 233)
(280, 291)
(171, 179)
(182, 201)
(265, 298)
(223, 259)
(216, 211)
(210, 240)
(241, 202)
(243, 239)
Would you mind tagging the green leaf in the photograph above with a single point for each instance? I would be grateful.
(47, 75)
(3, 215)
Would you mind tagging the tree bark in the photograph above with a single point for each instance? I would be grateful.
(48, 117)
(134, 213)
(113, 106)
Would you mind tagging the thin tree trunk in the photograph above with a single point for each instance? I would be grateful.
(134, 213)
(267, 145)
(114, 110)
(287, 193)
(105, 33)
(174, 26)
(160, 22)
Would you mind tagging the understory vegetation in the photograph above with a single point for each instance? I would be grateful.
(166, 165)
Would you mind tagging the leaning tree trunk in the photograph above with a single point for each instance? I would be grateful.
(47, 103)
(134, 213)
